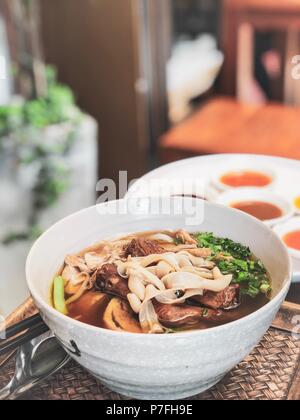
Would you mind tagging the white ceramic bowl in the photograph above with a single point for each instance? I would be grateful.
(285, 228)
(242, 167)
(157, 367)
(239, 195)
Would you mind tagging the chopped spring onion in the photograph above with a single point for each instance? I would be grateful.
(59, 295)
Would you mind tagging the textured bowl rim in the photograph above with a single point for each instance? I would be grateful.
(67, 320)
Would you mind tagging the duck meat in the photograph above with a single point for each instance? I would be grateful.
(107, 280)
(228, 299)
(176, 316)
(142, 247)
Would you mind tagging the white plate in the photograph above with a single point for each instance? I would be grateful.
(203, 169)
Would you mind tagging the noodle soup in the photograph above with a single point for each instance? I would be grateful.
(161, 282)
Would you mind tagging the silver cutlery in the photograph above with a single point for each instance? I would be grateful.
(36, 361)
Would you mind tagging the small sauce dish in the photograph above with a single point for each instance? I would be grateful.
(264, 205)
(243, 177)
(289, 232)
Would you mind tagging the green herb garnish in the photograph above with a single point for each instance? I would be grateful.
(227, 246)
(236, 259)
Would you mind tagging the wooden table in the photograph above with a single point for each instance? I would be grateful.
(224, 125)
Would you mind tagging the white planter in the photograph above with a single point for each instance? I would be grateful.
(15, 190)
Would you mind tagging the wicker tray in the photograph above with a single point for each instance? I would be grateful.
(271, 372)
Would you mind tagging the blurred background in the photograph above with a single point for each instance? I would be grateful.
(92, 87)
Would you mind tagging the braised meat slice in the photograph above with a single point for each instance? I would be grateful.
(142, 248)
(227, 299)
(108, 280)
(184, 315)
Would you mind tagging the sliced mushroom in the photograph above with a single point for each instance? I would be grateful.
(185, 237)
(93, 260)
(177, 248)
(145, 275)
(198, 261)
(161, 237)
(201, 252)
(77, 262)
(75, 283)
(76, 291)
(225, 257)
(118, 316)
(70, 274)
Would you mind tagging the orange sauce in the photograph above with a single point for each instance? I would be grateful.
(259, 209)
(292, 240)
(246, 179)
(297, 202)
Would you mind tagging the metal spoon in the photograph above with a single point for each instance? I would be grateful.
(35, 361)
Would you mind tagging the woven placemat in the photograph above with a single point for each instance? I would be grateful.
(271, 372)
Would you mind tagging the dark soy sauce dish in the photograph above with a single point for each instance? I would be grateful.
(161, 282)
(245, 178)
(259, 209)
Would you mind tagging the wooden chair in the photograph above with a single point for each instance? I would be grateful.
(225, 125)
(282, 16)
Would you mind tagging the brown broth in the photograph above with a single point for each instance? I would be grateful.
(82, 310)
(247, 307)
(90, 309)
(259, 209)
(246, 179)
